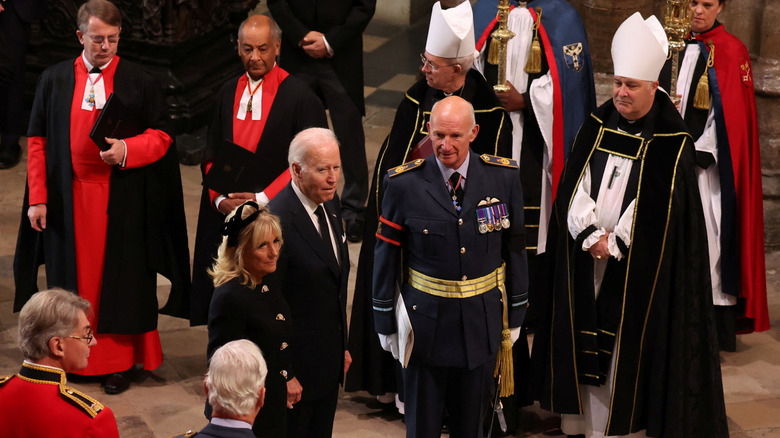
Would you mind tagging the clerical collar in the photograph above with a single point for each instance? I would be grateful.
(457, 92)
(90, 66)
(634, 127)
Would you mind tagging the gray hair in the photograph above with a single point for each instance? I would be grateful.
(48, 314)
(276, 31)
(465, 62)
(236, 373)
(305, 140)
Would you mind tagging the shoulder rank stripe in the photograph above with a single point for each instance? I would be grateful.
(405, 167)
(86, 403)
(499, 161)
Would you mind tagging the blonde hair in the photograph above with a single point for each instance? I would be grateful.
(229, 263)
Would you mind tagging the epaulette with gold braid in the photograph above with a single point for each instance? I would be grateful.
(5, 379)
(499, 161)
(82, 401)
(395, 171)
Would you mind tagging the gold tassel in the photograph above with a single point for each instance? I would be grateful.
(534, 64)
(505, 366)
(493, 51)
(701, 100)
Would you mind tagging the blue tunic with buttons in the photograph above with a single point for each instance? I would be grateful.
(421, 229)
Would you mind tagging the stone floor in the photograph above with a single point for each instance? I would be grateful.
(169, 400)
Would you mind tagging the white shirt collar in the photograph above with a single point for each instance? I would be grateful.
(309, 205)
(89, 65)
(446, 172)
(229, 422)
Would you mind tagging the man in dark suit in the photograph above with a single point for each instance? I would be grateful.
(460, 261)
(323, 45)
(312, 272)
(235, 369)
(15, 19)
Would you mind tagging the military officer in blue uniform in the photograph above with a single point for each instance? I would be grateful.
(451, 236)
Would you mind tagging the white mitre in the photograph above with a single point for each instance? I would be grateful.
(451, 32)
(639, 48)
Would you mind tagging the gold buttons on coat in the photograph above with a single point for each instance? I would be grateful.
(279, 317)
(460, 221)
(284, 345)
(264, 289)
(463, 250)
(464, 278)
(283, 373)
(425, 231)
(414, 307)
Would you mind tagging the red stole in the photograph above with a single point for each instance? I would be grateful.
(247, 133)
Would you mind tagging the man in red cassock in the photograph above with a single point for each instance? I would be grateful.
(108, 252)
(249, 114)
(718, 104)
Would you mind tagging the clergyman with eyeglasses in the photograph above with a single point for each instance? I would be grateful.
(56, 337)
(447, 66)
(107, 252)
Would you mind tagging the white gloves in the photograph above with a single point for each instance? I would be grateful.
(390, 343)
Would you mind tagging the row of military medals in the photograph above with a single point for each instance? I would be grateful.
(492, 216)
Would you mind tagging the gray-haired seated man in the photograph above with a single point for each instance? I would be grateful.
(235, 388)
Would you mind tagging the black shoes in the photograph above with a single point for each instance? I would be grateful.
(116, 383)
(10, 152)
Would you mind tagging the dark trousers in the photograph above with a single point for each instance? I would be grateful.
(464, 393)
(312, 418)
(348, 125)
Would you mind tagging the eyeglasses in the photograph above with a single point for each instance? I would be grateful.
(100, 39)
(425, 61)
(87, 338)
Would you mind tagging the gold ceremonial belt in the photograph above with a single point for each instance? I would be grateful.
(457, 289)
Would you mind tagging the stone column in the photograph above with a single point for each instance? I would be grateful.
(766, 77)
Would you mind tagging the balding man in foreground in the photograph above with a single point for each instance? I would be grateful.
(455, 218)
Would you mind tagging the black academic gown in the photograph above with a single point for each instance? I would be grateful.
(373, 369)
(295, 109)
(667, 378)
(147, 230)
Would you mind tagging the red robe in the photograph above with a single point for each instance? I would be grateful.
(113, 352)
(735, 83)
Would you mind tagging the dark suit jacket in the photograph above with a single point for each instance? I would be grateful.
(215, 431)
(315, 287)
(341, 21)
